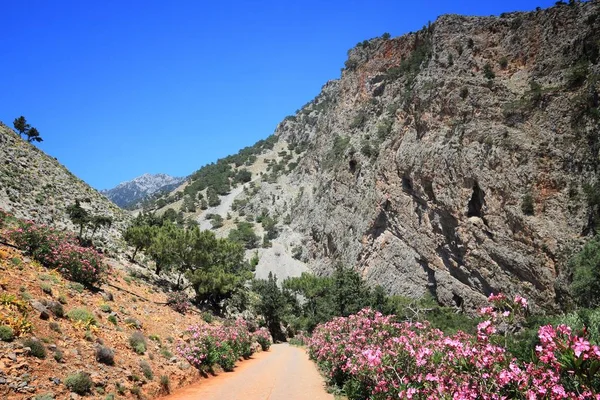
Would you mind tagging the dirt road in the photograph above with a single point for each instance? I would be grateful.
(282, 373)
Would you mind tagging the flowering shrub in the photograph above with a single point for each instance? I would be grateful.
(179, 302)
(373, 356)
(59, 251)
(263, 337)
(208, 345)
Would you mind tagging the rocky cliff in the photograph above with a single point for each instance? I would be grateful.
(452, 160)
(36, 186)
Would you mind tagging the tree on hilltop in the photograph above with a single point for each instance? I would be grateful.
(21, 125)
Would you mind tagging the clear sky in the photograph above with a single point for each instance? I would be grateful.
(118, 88)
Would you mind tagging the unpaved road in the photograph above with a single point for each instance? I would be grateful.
(282, 373)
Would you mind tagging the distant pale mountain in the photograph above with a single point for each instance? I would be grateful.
(129, 193)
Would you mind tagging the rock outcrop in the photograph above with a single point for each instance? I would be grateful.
(452, 160)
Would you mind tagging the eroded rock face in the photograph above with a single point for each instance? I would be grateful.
(420, 158)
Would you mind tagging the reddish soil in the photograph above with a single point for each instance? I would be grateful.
(282, 373)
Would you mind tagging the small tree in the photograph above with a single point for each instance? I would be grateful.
(99, 221)
(272, 305)
(21, 125)
(33, 135)
(79, 216)
(139, 237)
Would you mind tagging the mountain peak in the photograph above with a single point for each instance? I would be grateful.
(137, 189)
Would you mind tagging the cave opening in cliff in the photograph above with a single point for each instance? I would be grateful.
(475, 206)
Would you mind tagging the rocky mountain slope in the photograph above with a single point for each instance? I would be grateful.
(36, 186)
(130, 193)
(453, 161)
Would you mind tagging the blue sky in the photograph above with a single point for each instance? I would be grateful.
(120, 88)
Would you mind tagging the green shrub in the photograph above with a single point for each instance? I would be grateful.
(137, 341)
(527, 205)
(488, 72)
(586, 275)
(36, 348)
(56, 308)
(58, 355)
(79, 383)
(54, 326)
(165, 353)
(146, 370)
(76, 286)
(47, 396)
(105, 308)
(46, 288)
(227, 357)
(165, 384)
(112, 319)
(6, 333)
(105, 355)
(82, 316)
(503, 62)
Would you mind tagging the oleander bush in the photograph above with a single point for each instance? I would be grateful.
(263, 337)
(373, 356)
(208, 345)
(60, 251)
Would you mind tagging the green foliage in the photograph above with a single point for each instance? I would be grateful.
(213, 197)
(272, 305)
(488, 71)
(139, 237)
(137, 341)
(146, 370)
(24, 128)
(359, 120)
(112, 319)
(577, 75)
(58, 355)
(244, 235)
(592, 194)
(79, 216)
(105, 355)
(80, 383)
(6, 333)
(503, 62)
(527, 205)
(386, 36)
(384, 128)
(411, 66)
(83, 316)
(165, 384)
(36, 347)
(586, 275)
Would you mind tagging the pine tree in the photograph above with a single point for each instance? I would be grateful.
(33, 135)
(79, 216)
(21, 125)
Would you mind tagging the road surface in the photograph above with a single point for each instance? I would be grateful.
(282, 373)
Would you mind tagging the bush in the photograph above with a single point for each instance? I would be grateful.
(6, 333)
(146, 370)
(179, 302)
(263, 337)
(58, 355)
(82, 316)
(36, 348)
(112, 319)
(503, 62)
(56, 308)
(137, 341)
(105, 355)
(586, 275)
(56, 250)
(488, 72)
(79, 383)
(165, 384)
(208, 345)
(527, 205)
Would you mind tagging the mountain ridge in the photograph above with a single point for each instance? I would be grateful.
(129, 193)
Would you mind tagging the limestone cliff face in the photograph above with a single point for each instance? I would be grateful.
(36, 186)
(453, 160)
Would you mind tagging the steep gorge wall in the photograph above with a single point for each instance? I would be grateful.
(419, 162)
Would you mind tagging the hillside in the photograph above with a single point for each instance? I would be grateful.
(131, 193)
(36, 186)
(458, 160)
